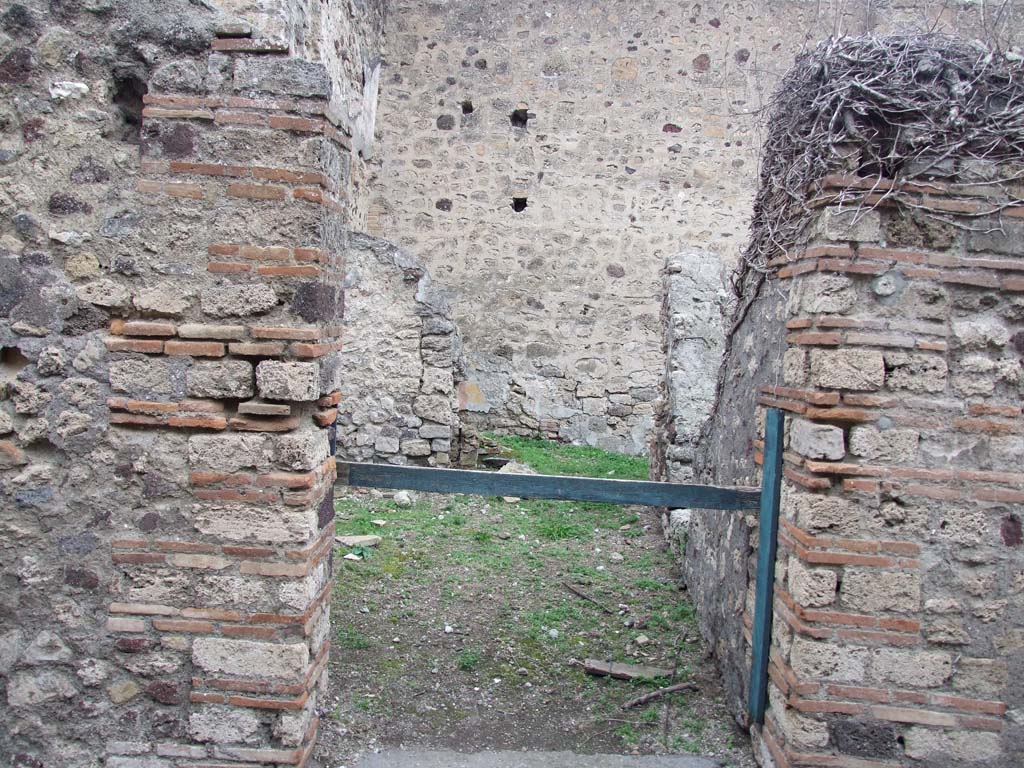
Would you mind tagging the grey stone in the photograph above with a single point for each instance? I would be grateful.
(817, 441)
(26, 689)
(288, 381)
(238, 301)
(284, 76)
(104, 293)
(433, 408)
(223, 725)
(434, 431)
(221, 378)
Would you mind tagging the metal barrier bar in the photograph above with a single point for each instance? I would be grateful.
(767, 544)
(648, 493)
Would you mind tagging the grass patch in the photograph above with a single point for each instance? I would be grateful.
(550, 458)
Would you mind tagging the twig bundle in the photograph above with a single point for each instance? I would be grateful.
(902, 108)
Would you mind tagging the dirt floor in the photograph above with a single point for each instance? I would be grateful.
(458, 631)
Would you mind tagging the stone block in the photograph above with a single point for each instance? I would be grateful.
(915, 372)
(435, 431)
(302, 450)
(385, 444)
(415, 447)
(248, 659)
(865, 738)
(291, 727)
(985, 678)
(238, 300)
(818, 513)
(981, 333)
(811, 587)
(223, 725)
(817, 441)
(814, 660)
(915, 669)
(828, 294)
(163, 299)
(794, 367)
(854, 369)
(870, 590)
(29, 688)
(281, 76)
(433, 408)
(229, 453)
(890, 446)
(849, 224)
(288, 381)
(941, 747)
(140, 377)
(223, 378)
(241, 522)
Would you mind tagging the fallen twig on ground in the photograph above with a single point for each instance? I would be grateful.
(580, 593)
(655, 695)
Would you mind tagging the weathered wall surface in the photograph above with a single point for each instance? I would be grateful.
(177, 192)
(639, 138)
(890, 336)
(399, 362)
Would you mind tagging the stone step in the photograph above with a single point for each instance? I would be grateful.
(401, 758)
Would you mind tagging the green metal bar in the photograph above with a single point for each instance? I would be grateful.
(767, 544)
(653, 494)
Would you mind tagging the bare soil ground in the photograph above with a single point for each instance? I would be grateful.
(458, 631)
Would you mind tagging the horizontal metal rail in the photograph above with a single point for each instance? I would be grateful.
(649, 493)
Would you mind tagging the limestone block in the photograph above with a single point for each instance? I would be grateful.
(27, 689)
(385, 444)
(856, 369)
(435, 431)
(894, 446)
(245, 658)
(223, 725)
(291, 727)
(163, 299)
(850, 224)
(814, 660)
(238, 300)
(979, 333)
(919, 669)
(6, 423)
(433, 408)
(871, 590)
(944, 747)
(104, 293)
(817, 441)
(229, 453)
(240, 522)
(801, 730)
(138, 377)
(221, 378)
(415, 447)
(302, 450)
(288, 381)
(47, 648)
(437, 381)
(794, 367)
(984, 678)
(915, 372)
(282, 76)
(811, 587)
(828, 294)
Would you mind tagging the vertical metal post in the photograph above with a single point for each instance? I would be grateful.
(767, 544)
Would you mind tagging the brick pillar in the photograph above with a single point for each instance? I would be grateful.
(899, 595)
(223, 373)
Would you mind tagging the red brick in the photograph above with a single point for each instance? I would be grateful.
(257, 568)
(212, 614)
(977, 279)
(195, 348)
(179, 114)
(141, 328)
(818, 338)
(854, 267)
(301, 349)
(988, 426)
(287, 479)
(184, 546)
(219, 478)
(910, 715)
(229, 117)
(969, 705)
(247, 424)
(309, 195)
(238, 551)
(129, 543)
(856, 485)
(292, 177)
(310, 254)
(277, 704)
(806, 480)
(328, 400)
(284, 332)
(201, 406)
(271, 253)
(198, 422)
(228, 494)
(826, 706)
(862, 693)
(142, 406)
(256, 191)
(799, 323)
(191, 191)
(179, 101)
(137, 558)
(145, 346)
(326, 418)
(135, 420)
(222, 249)
(981, 723)
(302, 124)
(182, 625)
(266, 349)
(798, 269)
(840, 414)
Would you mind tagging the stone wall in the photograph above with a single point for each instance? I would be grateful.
(399, 362)
(626, 129)
(890, 338)
(177, 191)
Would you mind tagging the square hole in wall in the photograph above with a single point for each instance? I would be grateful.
(518, 204)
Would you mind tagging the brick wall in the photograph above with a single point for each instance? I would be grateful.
(171, 304)
(899, 595)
